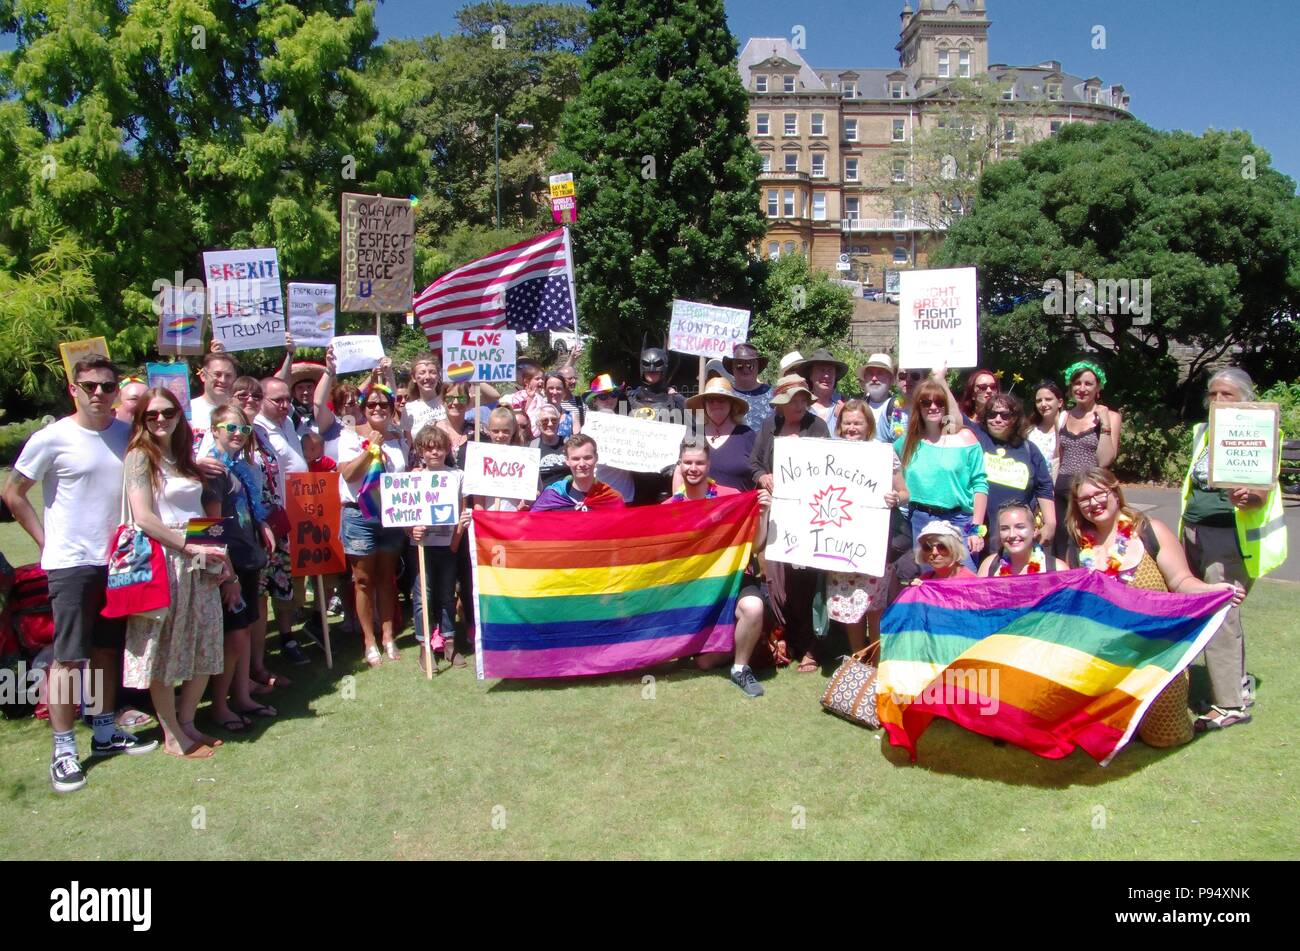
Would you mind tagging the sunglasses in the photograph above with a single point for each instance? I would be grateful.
(234, 429)
(986, 386)
(246, 396)
(92, 386)
(912, 377)
(931, 402)
(383, 406)
(153, 415)
(928, 547)
(456, 400)
(1001, 414)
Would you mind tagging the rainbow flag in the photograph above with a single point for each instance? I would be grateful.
(565, 594)
(1046, 661)
(205, 531)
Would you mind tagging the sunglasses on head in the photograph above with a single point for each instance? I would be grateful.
(92, 386)
(153, 415)
(234, 429)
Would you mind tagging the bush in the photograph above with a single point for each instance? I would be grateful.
(14, 435)
(1154, 447)
(1287, 397)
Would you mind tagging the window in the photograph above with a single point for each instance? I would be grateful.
(1008, 131)
(819, 165)
(792, 162)
(787, 203)
(898, 131)
(895, 90)
(818, 124)
(760, 84)
(791, 123)
(850, 130)
(851, 206)
(767, 161)
(789, 247)
(900, 211)
(1094, 94)
(1054, 91)
(1009, 94)
(819, 207)
(771, 203)
(850, 90)
(900, 256)
(1055, 126)
(900, 171)
(760, 124)
(963, 64)
(945, 70)
(774, 249)
(788, 84)
(851, 170)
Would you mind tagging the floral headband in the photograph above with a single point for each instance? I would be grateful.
(1080, 365)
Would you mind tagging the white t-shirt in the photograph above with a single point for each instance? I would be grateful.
(419, 413)
(350, 447)
(201, 423)
(286, 442)
(80, 471)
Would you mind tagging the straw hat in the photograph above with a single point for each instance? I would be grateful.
(880, 361)
(306, 371)
(719, 386)
(787, 387)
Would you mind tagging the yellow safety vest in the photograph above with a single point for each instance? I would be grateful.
(1261, 532)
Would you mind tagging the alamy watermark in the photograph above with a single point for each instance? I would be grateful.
(27, 686)
(1079, 295)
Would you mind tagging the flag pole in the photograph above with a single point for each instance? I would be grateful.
(424, 616)
(568, 270)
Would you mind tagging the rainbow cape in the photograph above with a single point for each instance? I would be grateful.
(564, 594)
(1046, 661)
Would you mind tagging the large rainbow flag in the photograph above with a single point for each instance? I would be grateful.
(1046, 661)
(563, 594)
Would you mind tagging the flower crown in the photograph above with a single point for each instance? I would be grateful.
(1078, 365)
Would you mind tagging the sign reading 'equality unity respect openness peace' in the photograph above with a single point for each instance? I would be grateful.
(377, 270)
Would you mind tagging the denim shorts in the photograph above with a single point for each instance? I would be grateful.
(363, 537)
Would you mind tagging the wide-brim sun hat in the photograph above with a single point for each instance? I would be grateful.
(744, 351)
(719, 387)
(787, 387)
(305, 371)
(820, 355)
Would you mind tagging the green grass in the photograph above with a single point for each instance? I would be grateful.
(382, 764)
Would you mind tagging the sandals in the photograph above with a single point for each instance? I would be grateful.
(197, 751)
(130, 719)
(260, 711)
(235, 725)
(807, 665)
(203, 737)
(390, 648)
(373, 657)
(272, 681)
(1220, 718)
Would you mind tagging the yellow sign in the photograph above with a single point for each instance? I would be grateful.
(74, 350)
(562, 185)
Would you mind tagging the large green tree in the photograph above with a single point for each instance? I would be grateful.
(667, 179)
(1204, 219)
(133, 137)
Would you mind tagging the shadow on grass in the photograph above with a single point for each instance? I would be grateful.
(677, 670)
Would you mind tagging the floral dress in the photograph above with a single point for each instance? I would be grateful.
(850, 596)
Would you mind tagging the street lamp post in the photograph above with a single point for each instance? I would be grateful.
(496, 140)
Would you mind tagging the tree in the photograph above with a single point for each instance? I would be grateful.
(666, 177)
(146, 133)
(795, 305)
(1189, 240)
(936, 175)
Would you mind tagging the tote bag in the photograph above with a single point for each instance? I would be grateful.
(137, 571)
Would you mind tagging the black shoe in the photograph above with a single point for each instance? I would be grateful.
(313, 628)
(293, 654)
(122, 742)
(66, 774)
(745, 680)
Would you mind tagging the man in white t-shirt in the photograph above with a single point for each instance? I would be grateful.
(217, 374)
(78, 462)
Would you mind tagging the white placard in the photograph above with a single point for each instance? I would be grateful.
(637, 445)
(1244, 445)
(428, 497)
(828, 504)
(311, 314)
(244, 298)
(507, 472)
(705, 330)
(938, 320)
(473, 356)
(356, 352)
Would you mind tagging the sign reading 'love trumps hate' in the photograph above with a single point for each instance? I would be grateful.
(473, 356)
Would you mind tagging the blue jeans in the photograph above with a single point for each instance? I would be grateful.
(957, 519)
(440, 566)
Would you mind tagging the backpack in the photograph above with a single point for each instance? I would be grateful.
(29, 608)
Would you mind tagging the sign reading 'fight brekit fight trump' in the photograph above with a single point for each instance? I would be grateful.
(937, 323)
(244, 298)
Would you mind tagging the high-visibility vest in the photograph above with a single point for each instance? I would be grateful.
(1261, 532)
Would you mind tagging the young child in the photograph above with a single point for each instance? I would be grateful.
(502, 430)
(313, 450)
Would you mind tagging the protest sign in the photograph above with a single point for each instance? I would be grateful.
(937, 322)
(311, 314)
(1245, 443)
(74, 350)
(507, 472)
(378, 254)
(180, 321)
(314, 509)
(429, 497)
(356, 352)
(705, 330)
(244, 298)
(828, 504)
(471, 356)
(637, 445)
(171, 376)
(564, 202)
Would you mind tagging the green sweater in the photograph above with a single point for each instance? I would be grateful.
(945, 477)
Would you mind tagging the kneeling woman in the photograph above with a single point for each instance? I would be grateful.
(1020, 550)
(941, 549)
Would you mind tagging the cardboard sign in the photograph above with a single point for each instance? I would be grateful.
(244, 298)
(356, 352)
(937, 319)
(1245, 445)
(471, 356)
(828, 504)
(705, 330)
(637, 445)
(315, 512)
(562, 185)
(507, 472)
(180, 321)
(171, 376)
(74, 350)
(430, 497)
(311, 314)
(378, 254)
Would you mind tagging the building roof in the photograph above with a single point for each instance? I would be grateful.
(763, 48)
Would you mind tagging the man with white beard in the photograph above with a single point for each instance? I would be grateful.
(877, 376)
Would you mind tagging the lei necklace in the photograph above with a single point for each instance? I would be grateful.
(1037, 563)
(1123, 535)
(710, 493)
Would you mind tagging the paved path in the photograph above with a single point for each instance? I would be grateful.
(1163, 504)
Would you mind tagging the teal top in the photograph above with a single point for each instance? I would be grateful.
(945, 477)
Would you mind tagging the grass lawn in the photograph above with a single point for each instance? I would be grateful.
(382, 764)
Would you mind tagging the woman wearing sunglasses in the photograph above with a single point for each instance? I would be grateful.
(249, 543)
(365, 454)
(165, 489)
(1016, 469)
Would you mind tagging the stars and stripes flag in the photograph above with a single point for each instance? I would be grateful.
(525, 287)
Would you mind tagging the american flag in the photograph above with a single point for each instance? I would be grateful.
(525, 287)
